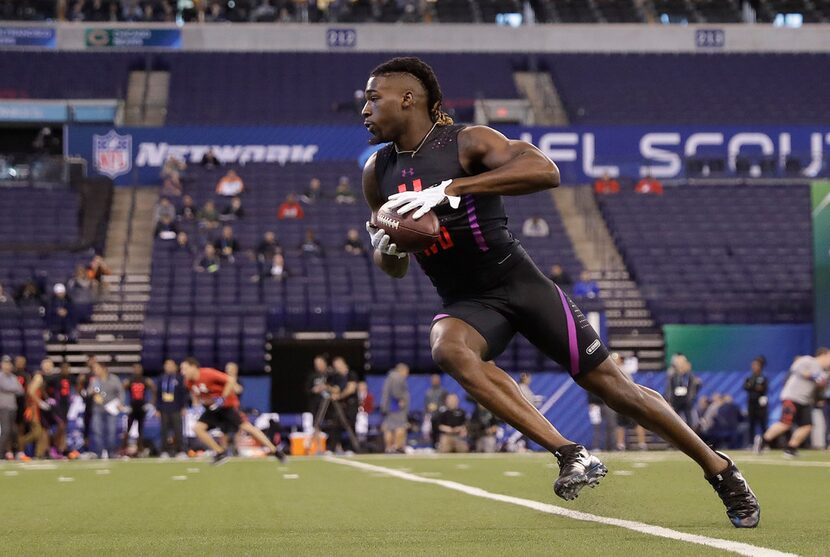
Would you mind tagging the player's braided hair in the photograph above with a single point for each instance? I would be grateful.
(421, 71)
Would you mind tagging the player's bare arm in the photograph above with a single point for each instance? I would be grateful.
(230, 385)
(393, 265)
(500, 166)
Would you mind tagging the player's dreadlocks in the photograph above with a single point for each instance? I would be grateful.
(421, 71)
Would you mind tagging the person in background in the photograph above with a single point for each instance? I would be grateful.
(96, 271)
(23, 377)
(394, 405)
(757, 387)
(649, 186)
(83, 387)
(166, 228)
(49, 391)
(209, 159)
(435, 400)
(343, 194)
(10, 390)
(807, 375)
(682, 388)
(313, 193)
(142, 396)
(234, 211)
(535, 227)
(230, 184)
(585, 287)
(452, 425)
(227, 246)
(290, 209)
(164, 208)
(353, 244)
(317, 383)
(188, 211)
(171, 406)
(61, 315)
(171, 176)
(560, 276)
(484, 427)
(210, 262)
(606, 185)
(365, 399)
(524, 387)
(629, 366)
(107, 398)
(208, 216)
(342, 387)
(604, 423)
(310, 244)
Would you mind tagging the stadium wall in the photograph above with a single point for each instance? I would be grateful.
(583, 153)
(421, 38)
(730, 347)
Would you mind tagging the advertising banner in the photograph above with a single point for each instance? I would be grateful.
(28, 36)
(821, 261)
(133, 38)
(582, 153)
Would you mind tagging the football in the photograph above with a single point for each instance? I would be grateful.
(408, 234)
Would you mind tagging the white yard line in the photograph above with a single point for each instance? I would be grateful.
(727, 545)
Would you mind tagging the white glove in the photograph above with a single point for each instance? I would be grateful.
(381, 241)
(424, 200)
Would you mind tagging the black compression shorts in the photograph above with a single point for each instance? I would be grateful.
(227, 420)
(529, 303)
(793, 413)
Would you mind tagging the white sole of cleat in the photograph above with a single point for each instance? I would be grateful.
(591, 478)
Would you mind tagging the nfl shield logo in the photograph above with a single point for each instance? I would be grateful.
(112, 154)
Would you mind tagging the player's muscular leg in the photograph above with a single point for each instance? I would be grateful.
(201, 431)
(650, 410)
(457, 349)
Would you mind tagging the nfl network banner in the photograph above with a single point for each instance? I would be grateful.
(583, 153)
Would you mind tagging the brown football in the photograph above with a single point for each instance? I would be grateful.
(408, 234)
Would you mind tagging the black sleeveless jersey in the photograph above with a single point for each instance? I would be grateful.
(476, 248)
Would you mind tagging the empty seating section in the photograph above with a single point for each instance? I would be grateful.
(692, 89)
(279, 88)
(33, 216)
(218, 316)
(718, 254)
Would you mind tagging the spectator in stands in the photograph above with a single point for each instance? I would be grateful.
(586, 287)
(310, 245)
(96, 271)
(276, 270)
(107, 399)
(5, 300)
(171, 176)
(79, 281)
(267, 248)
(171, 406)
(227, 245)
(166, 228)
(606, 185)
(313, 192)
(756, 387)
(131, 11)
(536, 227)
(483, 429)
(209, 263)
(452, 427)
(230, 184)
(290, 208)
(343, 193)
(187, 212)
(353, 244)
(10, 391)
(560, 276)
(209, 159)
(649, 185)
(216, 13)
(234, 211)
(394, 405)
(183, 244)
(79, 288)
(682, 388)
(264, 12)
(208, 216)
(29, 294)
(164, 208)
(61, 318)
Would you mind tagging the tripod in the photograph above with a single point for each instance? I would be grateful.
(340, 416)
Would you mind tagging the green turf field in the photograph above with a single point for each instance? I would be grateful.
(325, 507)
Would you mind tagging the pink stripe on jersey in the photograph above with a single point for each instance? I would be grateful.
(473, 220)
(572, 344)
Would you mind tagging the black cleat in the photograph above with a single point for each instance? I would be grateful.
(221, 458)
(742, 506)
(790, 452)
(577, 468)
(280, 455)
